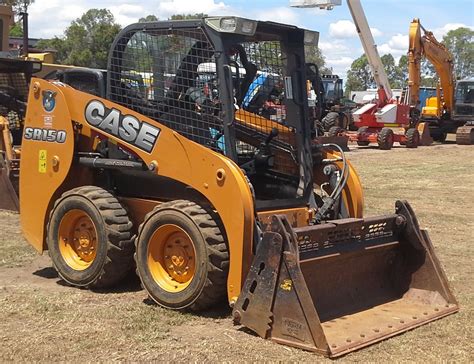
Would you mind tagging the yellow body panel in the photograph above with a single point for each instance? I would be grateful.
(47, 172)
(39, 182)
(212, 174)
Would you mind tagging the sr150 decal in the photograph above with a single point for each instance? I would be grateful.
(125, 127)
(45, 135)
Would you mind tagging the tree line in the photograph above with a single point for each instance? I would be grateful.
(460, 43)
(87, 40)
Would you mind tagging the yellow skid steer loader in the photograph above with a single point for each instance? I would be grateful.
(211, 179)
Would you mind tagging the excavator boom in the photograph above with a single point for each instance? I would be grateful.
(426, 45)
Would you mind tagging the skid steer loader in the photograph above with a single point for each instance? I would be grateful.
(187, 174)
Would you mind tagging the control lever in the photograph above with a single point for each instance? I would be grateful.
(273, 134)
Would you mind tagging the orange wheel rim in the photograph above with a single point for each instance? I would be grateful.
(77, 238)
(171, 258)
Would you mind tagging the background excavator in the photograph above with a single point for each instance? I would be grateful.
(212, 197)
(452, 109)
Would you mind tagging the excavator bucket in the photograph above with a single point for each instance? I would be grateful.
(339, 286)
(8, 196)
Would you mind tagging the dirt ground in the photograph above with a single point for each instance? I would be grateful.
(42, 319)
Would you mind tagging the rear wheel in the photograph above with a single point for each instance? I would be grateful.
(89, 238)
(182, 257)
(360, 131)
(330, 120)
(336, 131)
(412, 138)
(385, 139)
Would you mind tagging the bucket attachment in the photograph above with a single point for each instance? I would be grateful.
(8, 195)
(337, 287)
(425, 136)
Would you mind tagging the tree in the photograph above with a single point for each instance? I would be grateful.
(313, 55)
(18, 5)
(87, 40)
(460, 43)
(391, 69)
(187, 16)
(403, 69)
(359, 77)
(148, 18)
(16, 30)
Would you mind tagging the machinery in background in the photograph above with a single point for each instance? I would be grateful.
(376, 120)
(15, 75)
(337, 110)
(464, 111)
(452, 109)
(214, 198)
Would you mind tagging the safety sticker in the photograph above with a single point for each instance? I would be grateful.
(43, 155)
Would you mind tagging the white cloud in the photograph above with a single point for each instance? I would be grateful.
(278, 14)
(439, 33)
(50, 18)
(333, 47)
(396, 46)
(346, 29)
(169, 7)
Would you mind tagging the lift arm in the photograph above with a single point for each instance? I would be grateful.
(439, 56)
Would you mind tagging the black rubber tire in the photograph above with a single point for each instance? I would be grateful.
(412, 138)
(209, 284)
(336, 131)
(362, 130)
(385, 139)
(330, 120)
(114, 257)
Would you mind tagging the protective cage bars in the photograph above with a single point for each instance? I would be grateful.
(160, 73)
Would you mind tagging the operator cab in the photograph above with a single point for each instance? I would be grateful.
(333, 92)
(465, 97)
(233, 85)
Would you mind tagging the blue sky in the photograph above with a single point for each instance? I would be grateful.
(389, 19)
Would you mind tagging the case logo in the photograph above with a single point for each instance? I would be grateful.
(125, 127)
(49, 101)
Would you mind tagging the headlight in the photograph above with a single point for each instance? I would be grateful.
(232, 25)
(311, 37)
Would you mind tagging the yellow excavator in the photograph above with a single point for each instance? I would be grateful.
(212, 186)
(452, 109)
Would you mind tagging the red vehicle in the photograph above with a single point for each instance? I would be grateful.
(378, 121)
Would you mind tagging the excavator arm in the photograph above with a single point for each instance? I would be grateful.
(439, 56)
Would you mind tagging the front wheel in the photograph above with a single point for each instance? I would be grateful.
(362, 130)
(385, 139)
(181, 255)
(89, 238)
(412, 138)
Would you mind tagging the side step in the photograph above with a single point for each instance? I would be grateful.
(337, 287)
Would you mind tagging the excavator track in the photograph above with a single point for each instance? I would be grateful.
(465, 134)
